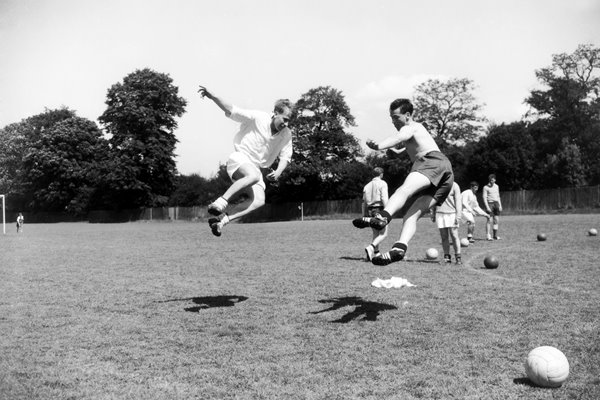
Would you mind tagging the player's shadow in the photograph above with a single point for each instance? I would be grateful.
(206, 302)
(368, 310)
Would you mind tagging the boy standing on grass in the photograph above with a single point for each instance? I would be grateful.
(446, 217)
(20, 221)
(375, 197)
(261, 139)
(471, 209)
(493, 205)
(426, 186)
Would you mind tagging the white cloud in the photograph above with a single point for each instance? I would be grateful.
(391, 87)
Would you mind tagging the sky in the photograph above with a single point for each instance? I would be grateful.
(56, 53)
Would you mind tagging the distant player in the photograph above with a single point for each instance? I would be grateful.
(20, 221)
(261, 139)
(426, 186)
(493, 205)
(447, 217)
(471, 209)
(375, 197)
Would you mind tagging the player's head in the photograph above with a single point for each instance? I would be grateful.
(474, 186)
(401, 111)
(377, 171)
(281, 115)
(492, 178)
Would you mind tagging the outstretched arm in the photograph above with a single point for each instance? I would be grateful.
(388, 143)
(223, 105)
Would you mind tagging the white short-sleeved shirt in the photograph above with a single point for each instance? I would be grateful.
(469, 200)
(255, 140)
(376, 192)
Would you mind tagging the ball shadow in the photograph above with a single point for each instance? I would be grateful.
(524, 381)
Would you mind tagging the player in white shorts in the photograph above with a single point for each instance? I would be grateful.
(447, 217)
(471, 210)
(263, 137)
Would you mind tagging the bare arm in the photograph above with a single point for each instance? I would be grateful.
(485, 203)
(223, 105)
(274, 175)
(404, 134)
(458, 200)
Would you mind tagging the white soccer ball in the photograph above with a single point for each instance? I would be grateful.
(432, 254)
(593, 232)
(464, 242)
(547, 366)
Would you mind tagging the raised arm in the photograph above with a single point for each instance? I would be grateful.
(223, 105)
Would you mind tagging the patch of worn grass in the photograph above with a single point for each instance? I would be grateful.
(286, 311)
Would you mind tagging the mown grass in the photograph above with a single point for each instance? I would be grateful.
(286, 311)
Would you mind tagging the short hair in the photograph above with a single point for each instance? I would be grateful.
(474, 184)
(282, 104)
(404, 105)
(377, 171)
(492, 176)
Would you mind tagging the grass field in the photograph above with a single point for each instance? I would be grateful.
(287, 311)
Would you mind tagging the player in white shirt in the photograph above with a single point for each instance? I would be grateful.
(262, 138)
(375, 197)
(471, 209)
(493, 205)
(447, 217)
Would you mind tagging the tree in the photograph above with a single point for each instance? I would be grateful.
(140, 116)
(16, 141)
(324, 152)
(449, 110)
(508, 150)
(64, 165)
(566, 114)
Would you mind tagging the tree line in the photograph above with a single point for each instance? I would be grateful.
(57, 161)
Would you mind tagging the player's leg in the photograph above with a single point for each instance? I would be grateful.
(413, 184)
(470, 219)
(445, 244)
(255, 199)
(496, 220)
(379, 237)
(420, 207)
(244, 174)
(455, 243)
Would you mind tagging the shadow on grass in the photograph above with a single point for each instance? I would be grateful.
(368, 310)
(210, 302)
(353, 258)
(525, 381)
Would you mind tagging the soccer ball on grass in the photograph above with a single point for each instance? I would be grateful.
(547, 366)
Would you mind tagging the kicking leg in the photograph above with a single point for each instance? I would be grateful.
(409, 227)
(414, 183)
(243, 178)
(255, 200)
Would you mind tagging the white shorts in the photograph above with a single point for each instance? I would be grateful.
(445, 220)
(236, 160)
(470, 218)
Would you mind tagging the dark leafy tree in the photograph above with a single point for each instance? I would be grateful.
(566, 113)
(64, 165)
(141, 119)
(450, 111)
(324, 151)
(16, 141)
(508, 150)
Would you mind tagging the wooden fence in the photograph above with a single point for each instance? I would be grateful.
(583, 199)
